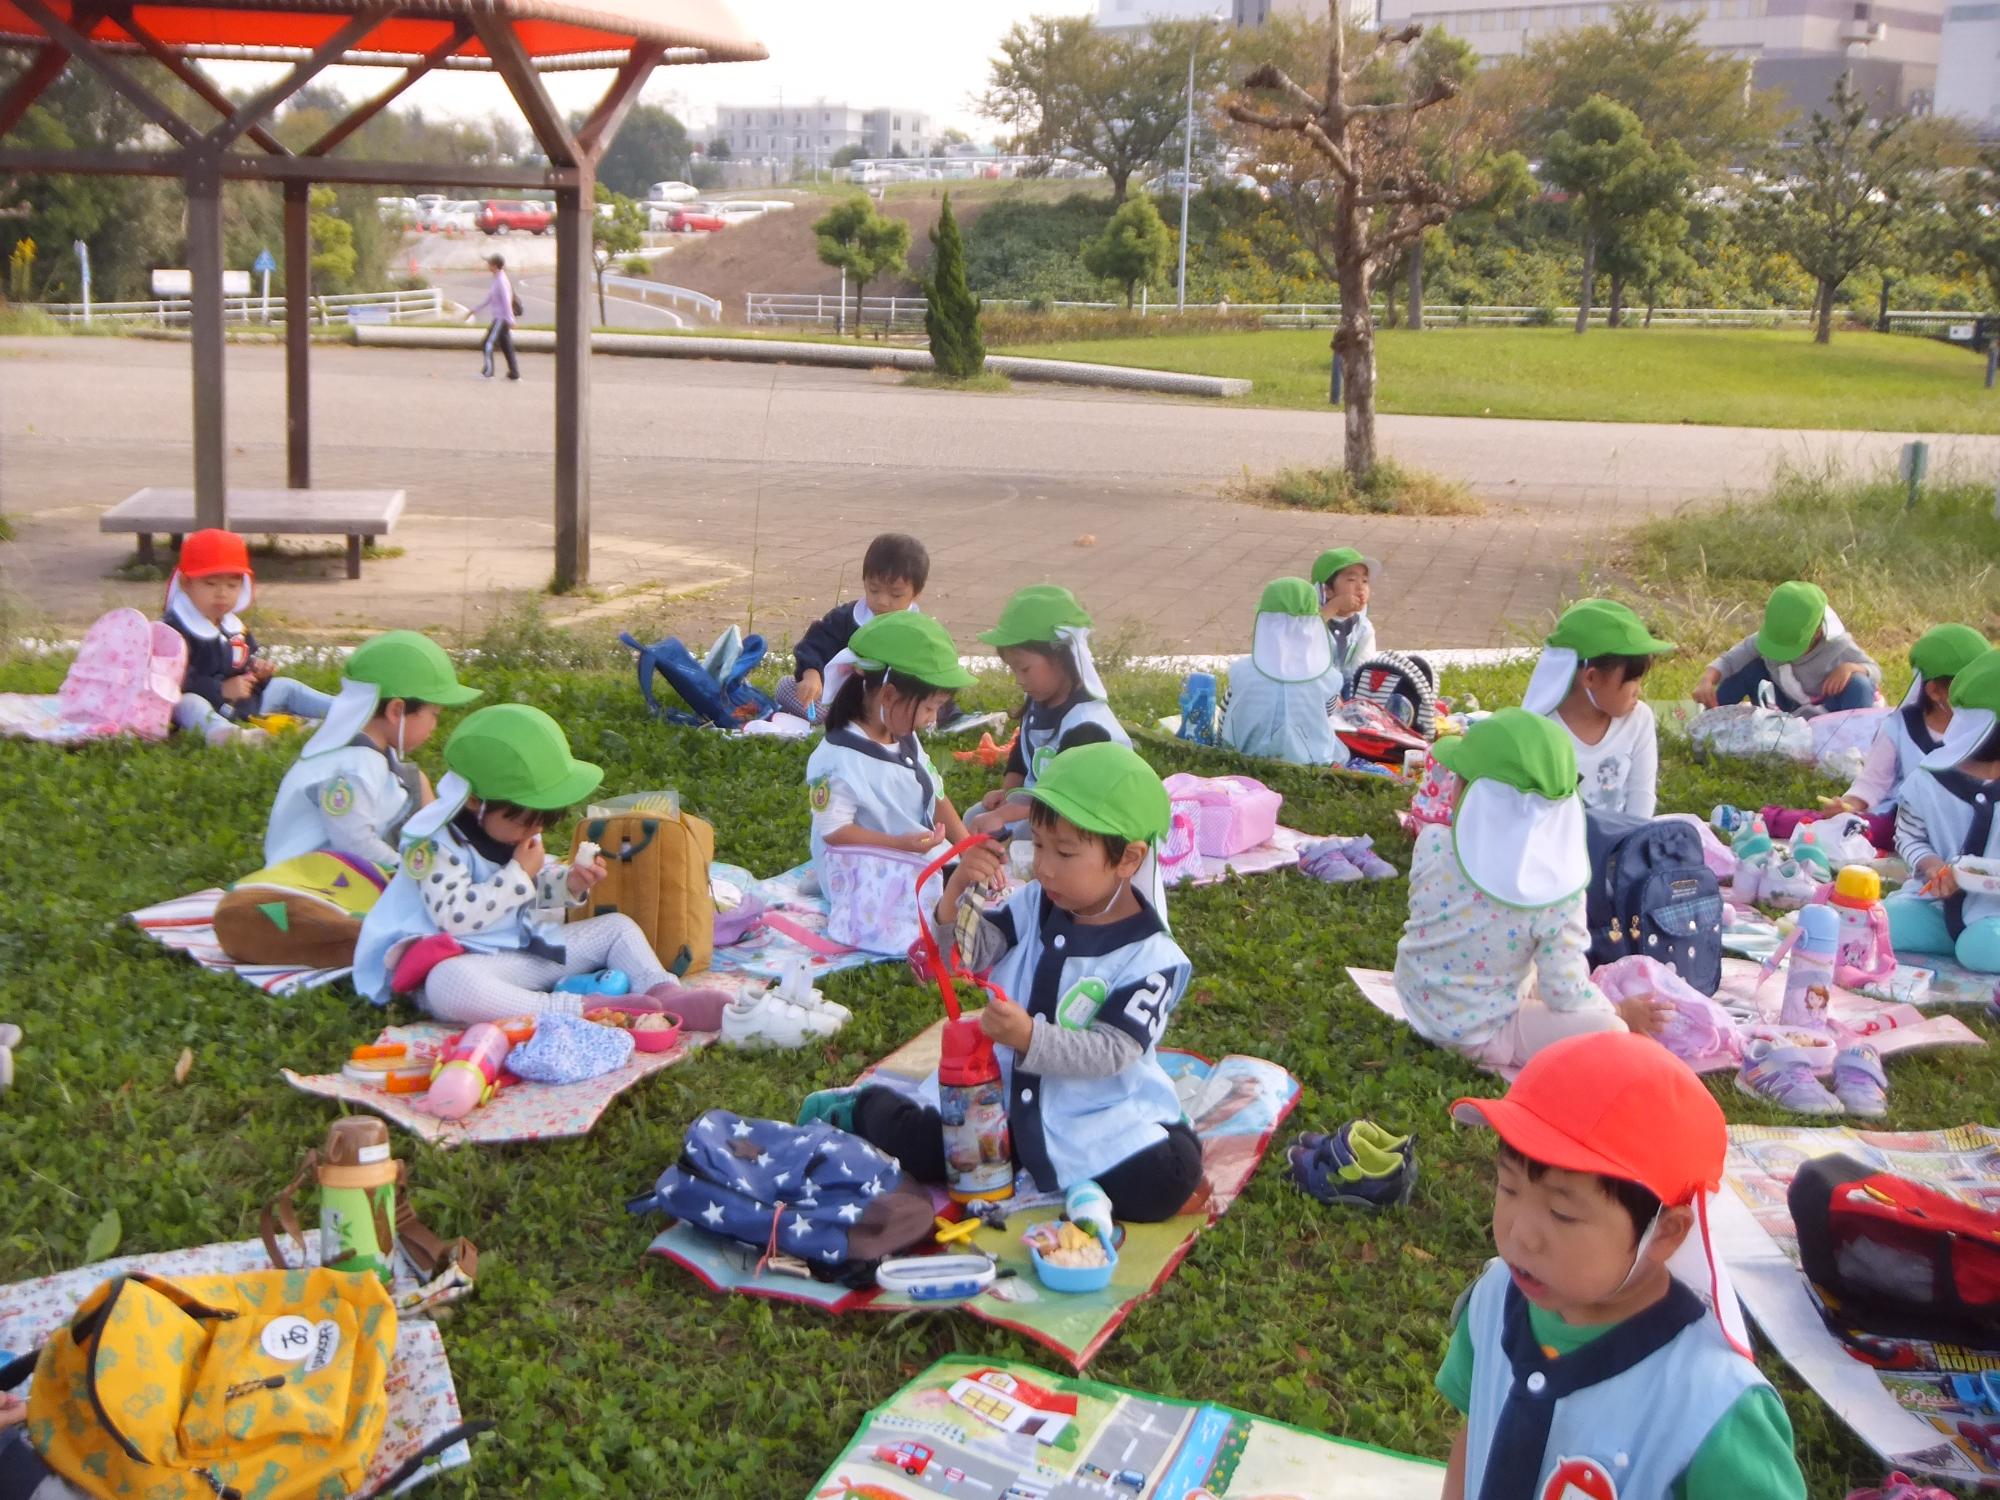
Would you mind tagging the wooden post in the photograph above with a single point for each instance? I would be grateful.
(298, 335)
(204, 241)
(575, 207)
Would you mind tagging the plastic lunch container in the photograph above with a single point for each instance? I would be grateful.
(1977, 874)
(659, 1039)
(1075, 1278)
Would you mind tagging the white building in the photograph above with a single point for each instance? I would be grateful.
(815, 131)
(1968, 76)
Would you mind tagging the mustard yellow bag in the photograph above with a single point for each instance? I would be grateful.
(266, 1383)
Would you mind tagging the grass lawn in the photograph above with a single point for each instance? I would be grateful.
(1712, 376)
(612, 1375)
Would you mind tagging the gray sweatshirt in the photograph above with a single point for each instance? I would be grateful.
(1804, 679)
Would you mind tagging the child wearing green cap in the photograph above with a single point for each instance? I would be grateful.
(1945, 816)
(353, 786)
(1493, 962)
(1802, 651)
(1345, 580)
(869, 781)
(479, 891)
(1588, 681)
(1044, 639)
(1093, 975)
(1282, 695)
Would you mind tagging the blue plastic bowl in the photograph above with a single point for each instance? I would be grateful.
(1075, 1278)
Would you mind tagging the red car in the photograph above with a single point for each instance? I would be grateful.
(502, 215)
(688, 221)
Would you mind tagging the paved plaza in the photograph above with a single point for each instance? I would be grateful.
(727, 492)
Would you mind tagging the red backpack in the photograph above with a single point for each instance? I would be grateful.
(1893, 1257)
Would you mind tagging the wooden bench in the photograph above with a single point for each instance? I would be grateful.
(358, 515)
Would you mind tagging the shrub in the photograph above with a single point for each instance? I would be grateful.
(1387, 489)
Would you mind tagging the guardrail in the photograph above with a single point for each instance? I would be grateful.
(425, 304)
(825, 308)
(699, 303)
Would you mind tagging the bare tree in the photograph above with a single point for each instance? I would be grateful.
(1385, 151)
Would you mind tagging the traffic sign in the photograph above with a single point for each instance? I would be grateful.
(263, 265)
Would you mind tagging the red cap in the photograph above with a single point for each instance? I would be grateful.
(204, 553)
(1615, 1104)
(965, 1054)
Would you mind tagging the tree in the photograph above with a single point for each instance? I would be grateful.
(719, 150)
(859, 239)
(1975, 222)
(1114, 100)
(848, 155)
(333, 259)
(1646, 254)
(651, 146)
(951, 312)
(1134, 249)
(617, 233)
(1615, 177)
(1357, 190)
(952, 136)
(1836, 199)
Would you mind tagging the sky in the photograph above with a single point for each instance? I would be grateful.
(930, 55)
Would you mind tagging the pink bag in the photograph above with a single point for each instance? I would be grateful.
(1436, 797)
(126, 678)
(1179, 855)
(871, 897)
(1701, 1028)
(1233, 814)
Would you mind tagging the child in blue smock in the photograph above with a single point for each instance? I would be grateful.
(477, 886)
(1093, 974)
(1044, 639)
(1602, 1355)
(869, 780)
(1282, 695)
(353, 787)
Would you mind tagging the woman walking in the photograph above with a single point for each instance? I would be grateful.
(502, 307)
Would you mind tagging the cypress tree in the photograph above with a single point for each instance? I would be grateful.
(951, 312)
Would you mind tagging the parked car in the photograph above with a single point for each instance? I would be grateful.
(504, 215)
(690, 220)
(672, 192)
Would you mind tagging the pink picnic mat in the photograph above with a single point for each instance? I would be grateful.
(1892, 1028)
(520, 1112)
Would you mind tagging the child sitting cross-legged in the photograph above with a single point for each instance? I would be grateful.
(1804, 653)
(353, 786)
(1084, 952)
(1282, 693)
(226, 682)
(1602, 1351)
(1493, 962)
(1588, 681)
(477, 885)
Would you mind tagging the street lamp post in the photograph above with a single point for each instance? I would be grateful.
(1187, 170)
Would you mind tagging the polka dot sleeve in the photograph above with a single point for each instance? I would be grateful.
(462, 906)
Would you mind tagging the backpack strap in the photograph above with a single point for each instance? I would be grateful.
(279, 1212)
(427, 1251)
(18, 1369)
(401, 1475)
(647, 664)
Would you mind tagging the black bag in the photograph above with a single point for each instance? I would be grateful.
(1651, 893)
(518, 308)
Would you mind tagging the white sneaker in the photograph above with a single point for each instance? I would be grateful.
(797, 988)
(10, 1038)
(768, 1020)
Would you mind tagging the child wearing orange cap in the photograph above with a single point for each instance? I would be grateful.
(1602, 1353)
(225, 683)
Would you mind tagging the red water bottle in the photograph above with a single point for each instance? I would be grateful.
(978, 1149)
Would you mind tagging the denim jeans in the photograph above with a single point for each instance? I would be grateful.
(1741, 687)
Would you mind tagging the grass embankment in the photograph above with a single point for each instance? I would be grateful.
(1710, 377)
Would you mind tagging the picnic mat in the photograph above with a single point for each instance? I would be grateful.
(187, 925)
(793, 928)
(38, 716)
(1926, 979)
(1000, 1427)
(521, 1112)
(1236, 1106)
(1891, 1028)
(1897, 1398)
(423, 1402)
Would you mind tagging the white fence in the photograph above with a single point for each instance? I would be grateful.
(423, 305)
(698, 304)
(822, 309)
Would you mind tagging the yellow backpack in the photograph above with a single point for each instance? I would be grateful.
(657, 874)
(265, 1385)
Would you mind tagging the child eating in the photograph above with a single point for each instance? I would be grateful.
(1345, 579)
(1493, 960)
(894, 570)
(1946, 814)
(225, 683)
(352, 787)
(1602, 1351)
(1084, 951)
(1281, 694)
(1802, 651)
(869, 780)
(1044, 639)
(477, 884)
(1588, 682)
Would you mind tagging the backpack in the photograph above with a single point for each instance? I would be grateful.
(1198, 709)
(1651, 893)
(305, 912)
(264, 1383)
(717, 688)
(1371, 733)
(1403, 687)
(1895, 1258)
(658, 862)
(808, 1196)
(126, 678)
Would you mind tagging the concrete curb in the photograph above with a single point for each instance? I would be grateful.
(838, 356)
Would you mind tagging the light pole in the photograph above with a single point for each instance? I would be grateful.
(1187, 163)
